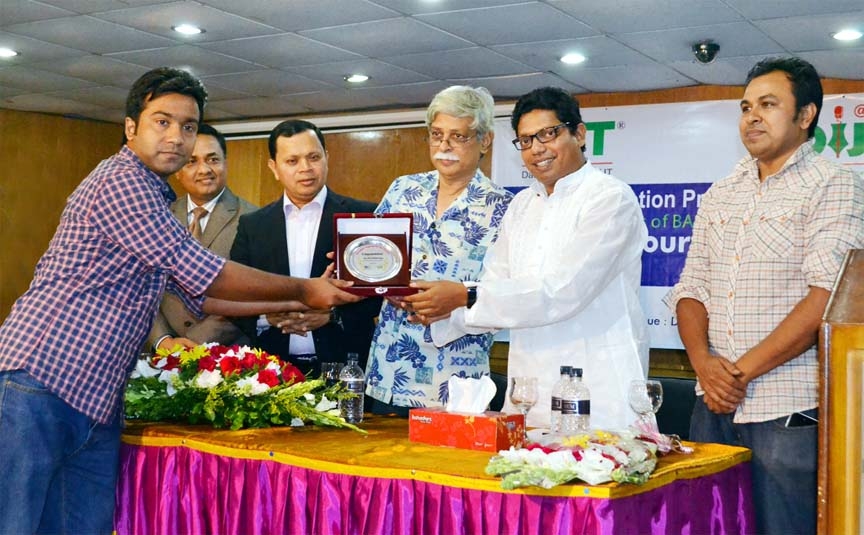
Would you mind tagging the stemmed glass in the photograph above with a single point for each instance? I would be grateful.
(645, 398)
(523, 396)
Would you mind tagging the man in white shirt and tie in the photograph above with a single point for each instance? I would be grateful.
(293, 235)
(204, 178)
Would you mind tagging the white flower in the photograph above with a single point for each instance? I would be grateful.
(143, 369)
(297, 422)
(208, 379)
(251, 387)
(325, 404)
(168, 377)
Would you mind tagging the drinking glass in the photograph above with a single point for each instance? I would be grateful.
(523, 396)
(645, 398)
(330, 372)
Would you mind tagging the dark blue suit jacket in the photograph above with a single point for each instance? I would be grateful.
(261, 243)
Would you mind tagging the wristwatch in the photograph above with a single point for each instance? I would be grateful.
(472, 296)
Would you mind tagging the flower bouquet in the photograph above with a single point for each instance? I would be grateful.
(595, 458)
(234, 387)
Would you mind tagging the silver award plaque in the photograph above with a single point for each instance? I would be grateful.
(372, 259)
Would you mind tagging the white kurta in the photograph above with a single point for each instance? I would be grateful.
(564, 277)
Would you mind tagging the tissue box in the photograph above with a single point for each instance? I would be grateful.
(490, 431)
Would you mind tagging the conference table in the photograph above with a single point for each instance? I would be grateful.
(184, 479)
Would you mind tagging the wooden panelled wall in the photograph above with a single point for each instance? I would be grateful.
(45, 157)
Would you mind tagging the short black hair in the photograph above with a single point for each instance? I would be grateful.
(555, 99)
(291, 128)
(205, 129)
(806, 85)
(163, 81)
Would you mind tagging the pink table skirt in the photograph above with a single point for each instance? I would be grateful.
(179, 490)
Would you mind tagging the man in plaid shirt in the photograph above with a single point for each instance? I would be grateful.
(767, 244)
(71, 340)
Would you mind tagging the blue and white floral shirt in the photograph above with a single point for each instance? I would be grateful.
(405, 368)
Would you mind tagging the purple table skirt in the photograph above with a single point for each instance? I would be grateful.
(176, 490)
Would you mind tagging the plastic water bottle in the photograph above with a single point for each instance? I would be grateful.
(575, 405)
(353, 379)
(555, 420)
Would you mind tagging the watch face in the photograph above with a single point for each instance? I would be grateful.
(372, 259)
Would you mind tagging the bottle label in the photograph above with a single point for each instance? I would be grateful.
(556, 404)
(356, 387)
(571, 406)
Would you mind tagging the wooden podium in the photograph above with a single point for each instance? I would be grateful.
(841, 358)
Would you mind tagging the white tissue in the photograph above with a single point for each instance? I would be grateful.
(470, 396)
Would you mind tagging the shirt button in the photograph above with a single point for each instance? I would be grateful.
(729, 332)
(746, 221)
(187, 323)
(731, 295)
(737, 258)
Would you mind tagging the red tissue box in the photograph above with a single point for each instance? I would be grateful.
(490, 431)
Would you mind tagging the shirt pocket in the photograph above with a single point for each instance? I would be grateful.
(716, 225)
(778, 233)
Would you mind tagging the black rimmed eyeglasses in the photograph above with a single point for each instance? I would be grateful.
(544, 135)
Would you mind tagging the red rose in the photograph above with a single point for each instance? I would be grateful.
(218, 350)
(290, 373)
(268, 377)
(207, 363)
(171, 363)
(248, 360)
(229, 365)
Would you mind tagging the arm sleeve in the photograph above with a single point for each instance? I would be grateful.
(610, 235)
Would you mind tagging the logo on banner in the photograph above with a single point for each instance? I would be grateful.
(839, 142)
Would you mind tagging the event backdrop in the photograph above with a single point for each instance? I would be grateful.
(670, 154)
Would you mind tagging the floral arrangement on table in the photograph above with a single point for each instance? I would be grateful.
(235, 387)
(596, 457)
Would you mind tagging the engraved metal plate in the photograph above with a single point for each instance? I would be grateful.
(372, 259)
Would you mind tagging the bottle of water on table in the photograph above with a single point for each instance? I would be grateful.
(575, 405)
(557, 388)
(353, 379)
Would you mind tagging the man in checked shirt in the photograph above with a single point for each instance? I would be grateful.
(767, 245)
(71, 340)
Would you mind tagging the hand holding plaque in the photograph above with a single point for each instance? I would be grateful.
(374, 252)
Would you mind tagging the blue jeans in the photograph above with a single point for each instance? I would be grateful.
(59, 468)
(784, 466)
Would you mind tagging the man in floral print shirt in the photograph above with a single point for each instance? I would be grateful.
(457, 210)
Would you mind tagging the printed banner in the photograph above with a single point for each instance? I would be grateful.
(670, 154)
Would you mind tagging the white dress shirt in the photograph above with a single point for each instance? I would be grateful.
(301, 229)
(564, 277)
(209, 206)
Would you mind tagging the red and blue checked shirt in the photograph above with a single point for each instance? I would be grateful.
(80, 325)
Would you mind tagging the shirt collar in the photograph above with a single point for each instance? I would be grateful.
(565, 182)
(209, 205)
(750, 165)
(317, 202)
(167, 193)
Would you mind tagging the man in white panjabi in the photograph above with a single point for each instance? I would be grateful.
(564, 274)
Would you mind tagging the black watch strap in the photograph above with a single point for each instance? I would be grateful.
(472, 296)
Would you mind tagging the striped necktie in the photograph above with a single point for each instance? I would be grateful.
(195, 226)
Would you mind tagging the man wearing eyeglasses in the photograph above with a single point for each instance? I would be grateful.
(210, 210)
(564, 274)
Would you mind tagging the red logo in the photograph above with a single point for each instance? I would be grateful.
(859, 110)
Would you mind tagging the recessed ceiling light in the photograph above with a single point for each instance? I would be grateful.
(356, 78)
(573, 58)
(847, 35)
(7, 53)
(187, 29)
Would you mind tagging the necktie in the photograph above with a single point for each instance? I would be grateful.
(195, 225)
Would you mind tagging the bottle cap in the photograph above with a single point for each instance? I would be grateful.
(575, 372)
(565, 370)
